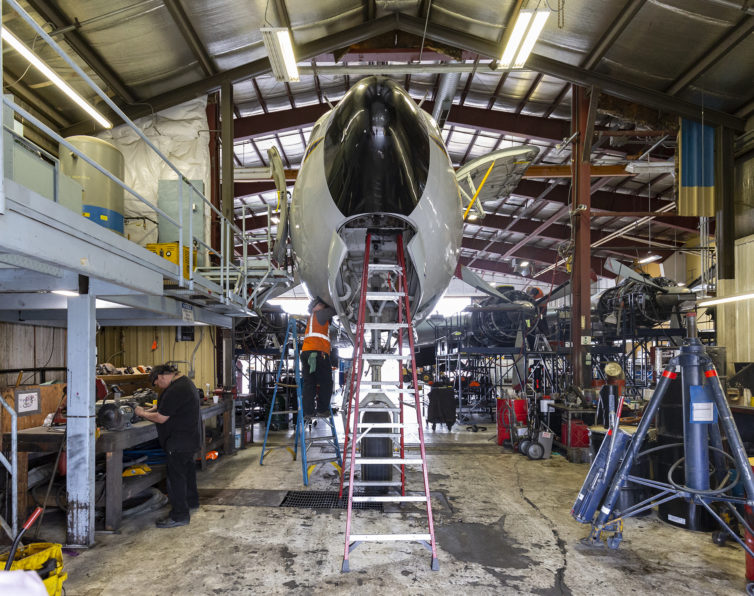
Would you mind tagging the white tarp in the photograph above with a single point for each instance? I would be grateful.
(181, 133)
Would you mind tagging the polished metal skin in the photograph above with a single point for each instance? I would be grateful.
(375, 162)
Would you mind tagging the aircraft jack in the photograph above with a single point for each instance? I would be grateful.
(303, 427)
(704, 404)
(376, 430)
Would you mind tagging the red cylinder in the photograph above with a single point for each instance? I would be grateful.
(503, 416)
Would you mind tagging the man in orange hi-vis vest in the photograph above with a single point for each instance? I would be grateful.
(315, 360)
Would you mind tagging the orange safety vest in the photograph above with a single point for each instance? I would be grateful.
(316, 337)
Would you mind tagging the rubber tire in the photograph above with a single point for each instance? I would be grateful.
(376, 448)
(523, 446)
(535, 451)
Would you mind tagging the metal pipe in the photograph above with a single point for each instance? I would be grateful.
(731, 431)
(416, 68)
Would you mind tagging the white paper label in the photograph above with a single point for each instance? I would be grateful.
(580, 497)
(605, 510)
(702, 412)
(187, 312)
(677, 520)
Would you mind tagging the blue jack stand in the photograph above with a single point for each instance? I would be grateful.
(705, 412)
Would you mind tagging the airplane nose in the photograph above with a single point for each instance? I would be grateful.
(376, 150)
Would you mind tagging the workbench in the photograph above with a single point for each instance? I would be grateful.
(42, 439)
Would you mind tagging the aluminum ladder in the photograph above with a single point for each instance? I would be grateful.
(304, 438)
(358, 429)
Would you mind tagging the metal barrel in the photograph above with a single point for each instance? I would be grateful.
(103, 201)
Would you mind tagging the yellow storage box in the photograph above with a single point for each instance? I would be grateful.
(34, 556)
(169, 251)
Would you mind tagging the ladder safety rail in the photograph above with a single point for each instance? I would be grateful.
(394, 290)
(176, 273)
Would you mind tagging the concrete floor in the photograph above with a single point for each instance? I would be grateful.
(502, 524)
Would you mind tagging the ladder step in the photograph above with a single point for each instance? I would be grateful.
(371, 356)
(387, 384)
(378, 436)
(390, 499)
(384, 295)
(368, 461)
(320, 461)
(390, 537)
(374, 483)
(285, 412)
(384, 267)
(386, 326)
(378, 409)
(384, 425)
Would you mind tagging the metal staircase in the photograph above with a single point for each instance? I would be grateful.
(375, 425)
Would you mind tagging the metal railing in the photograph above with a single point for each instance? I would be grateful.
(228, 229)
(12, 467)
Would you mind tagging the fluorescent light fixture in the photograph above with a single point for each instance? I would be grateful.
(523, 264)
(279, 46)
(526, 31)
(738, 298)
(17, 45)
(514, 41)
(649, 259)
(681, 283)
(69, 293)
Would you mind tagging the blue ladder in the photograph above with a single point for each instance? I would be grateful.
(307, 466)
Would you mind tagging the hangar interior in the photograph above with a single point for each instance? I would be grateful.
(528, 221)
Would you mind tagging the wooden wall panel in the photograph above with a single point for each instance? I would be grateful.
(131, 346)
(29, 346)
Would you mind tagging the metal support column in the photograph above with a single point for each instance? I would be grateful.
(213, 119)
(229, 382)
(725, 233)
(226, 113)
(81, 358)
(581, 210)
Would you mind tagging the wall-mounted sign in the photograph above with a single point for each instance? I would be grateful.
(28, 401)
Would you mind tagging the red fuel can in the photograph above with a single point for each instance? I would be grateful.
(579, 434)
(503, 416)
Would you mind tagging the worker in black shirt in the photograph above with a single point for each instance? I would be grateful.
(177, 419)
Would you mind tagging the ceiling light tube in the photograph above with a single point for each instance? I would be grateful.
(514, 41)
(540, 18)
(716, 301)
(17, 45)
(279, 46)
(523, 264)
(649, 259)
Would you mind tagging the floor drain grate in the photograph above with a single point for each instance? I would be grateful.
(322, 499)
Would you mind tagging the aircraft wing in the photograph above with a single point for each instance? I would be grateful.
(493, 176)
(620, 269)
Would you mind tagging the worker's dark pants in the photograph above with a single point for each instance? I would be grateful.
(322, 377)
(182, 490)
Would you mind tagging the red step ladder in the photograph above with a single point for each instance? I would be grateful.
(390, 285)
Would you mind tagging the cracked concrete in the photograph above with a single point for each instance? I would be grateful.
(504, 528)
